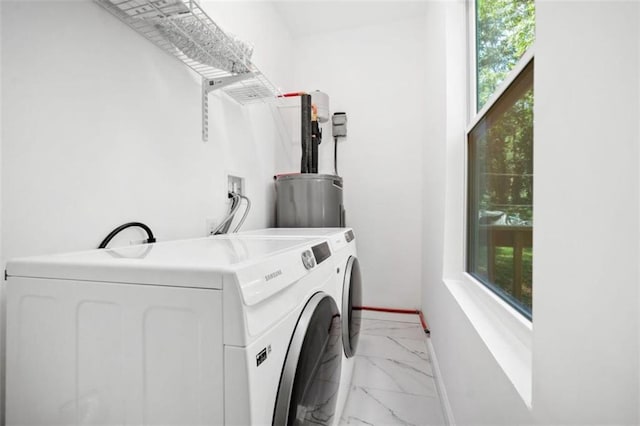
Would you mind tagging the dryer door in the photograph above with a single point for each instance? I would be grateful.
(311, 375)
(351, 306)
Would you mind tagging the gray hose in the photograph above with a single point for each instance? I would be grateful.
(246, 212)
(229, 217)
(234, 203)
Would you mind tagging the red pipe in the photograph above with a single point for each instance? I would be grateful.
(425, 326)
(391, 310)
(291, 94)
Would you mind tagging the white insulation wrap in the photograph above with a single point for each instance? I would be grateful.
(321, 101)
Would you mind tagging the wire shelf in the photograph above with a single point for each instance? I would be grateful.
(182, 29)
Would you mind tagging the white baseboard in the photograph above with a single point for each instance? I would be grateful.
(442, 392)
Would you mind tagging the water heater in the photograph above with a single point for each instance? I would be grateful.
(309, 200)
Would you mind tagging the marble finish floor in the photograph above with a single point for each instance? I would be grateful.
(393, 381)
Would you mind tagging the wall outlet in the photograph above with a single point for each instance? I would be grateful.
(235, 184)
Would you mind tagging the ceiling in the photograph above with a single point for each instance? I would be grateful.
(308, 17)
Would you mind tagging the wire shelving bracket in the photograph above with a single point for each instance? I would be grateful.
(183, 29)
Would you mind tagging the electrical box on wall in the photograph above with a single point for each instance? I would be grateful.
(339, 124)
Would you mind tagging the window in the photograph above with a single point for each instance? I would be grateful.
(500, 153)
(504, 32)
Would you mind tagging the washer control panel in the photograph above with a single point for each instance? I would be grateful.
(321, 252)
(318, 254)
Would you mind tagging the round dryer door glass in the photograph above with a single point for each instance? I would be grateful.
(351, 306)
(310, 379)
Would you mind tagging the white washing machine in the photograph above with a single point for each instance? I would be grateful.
(348, 289)
(233, 330)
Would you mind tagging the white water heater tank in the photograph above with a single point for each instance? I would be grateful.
(321, 101)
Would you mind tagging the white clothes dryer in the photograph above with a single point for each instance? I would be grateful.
(233, 330)
(348, 289)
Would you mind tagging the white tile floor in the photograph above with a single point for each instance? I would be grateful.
(393, 381)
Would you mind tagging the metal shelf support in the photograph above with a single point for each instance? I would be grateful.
(209, 85)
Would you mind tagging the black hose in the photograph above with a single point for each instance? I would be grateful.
(335, 155)
(108, 238)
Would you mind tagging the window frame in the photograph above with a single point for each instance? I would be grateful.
(517, 69)
(473, 117)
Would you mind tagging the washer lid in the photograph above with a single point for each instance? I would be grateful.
(184, 263)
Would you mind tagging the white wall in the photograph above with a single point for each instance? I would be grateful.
(377, 75)
(585, 298)
(584, 346)
(100, 127)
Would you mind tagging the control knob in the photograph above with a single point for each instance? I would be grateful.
(308, 260)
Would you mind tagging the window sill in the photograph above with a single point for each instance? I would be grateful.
(505, 332)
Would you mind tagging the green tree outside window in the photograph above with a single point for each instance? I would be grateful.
(504, 31)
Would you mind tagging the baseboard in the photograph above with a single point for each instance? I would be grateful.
(418, 312)
(442, 392)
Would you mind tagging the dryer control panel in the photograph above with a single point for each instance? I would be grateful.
(349, 236)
